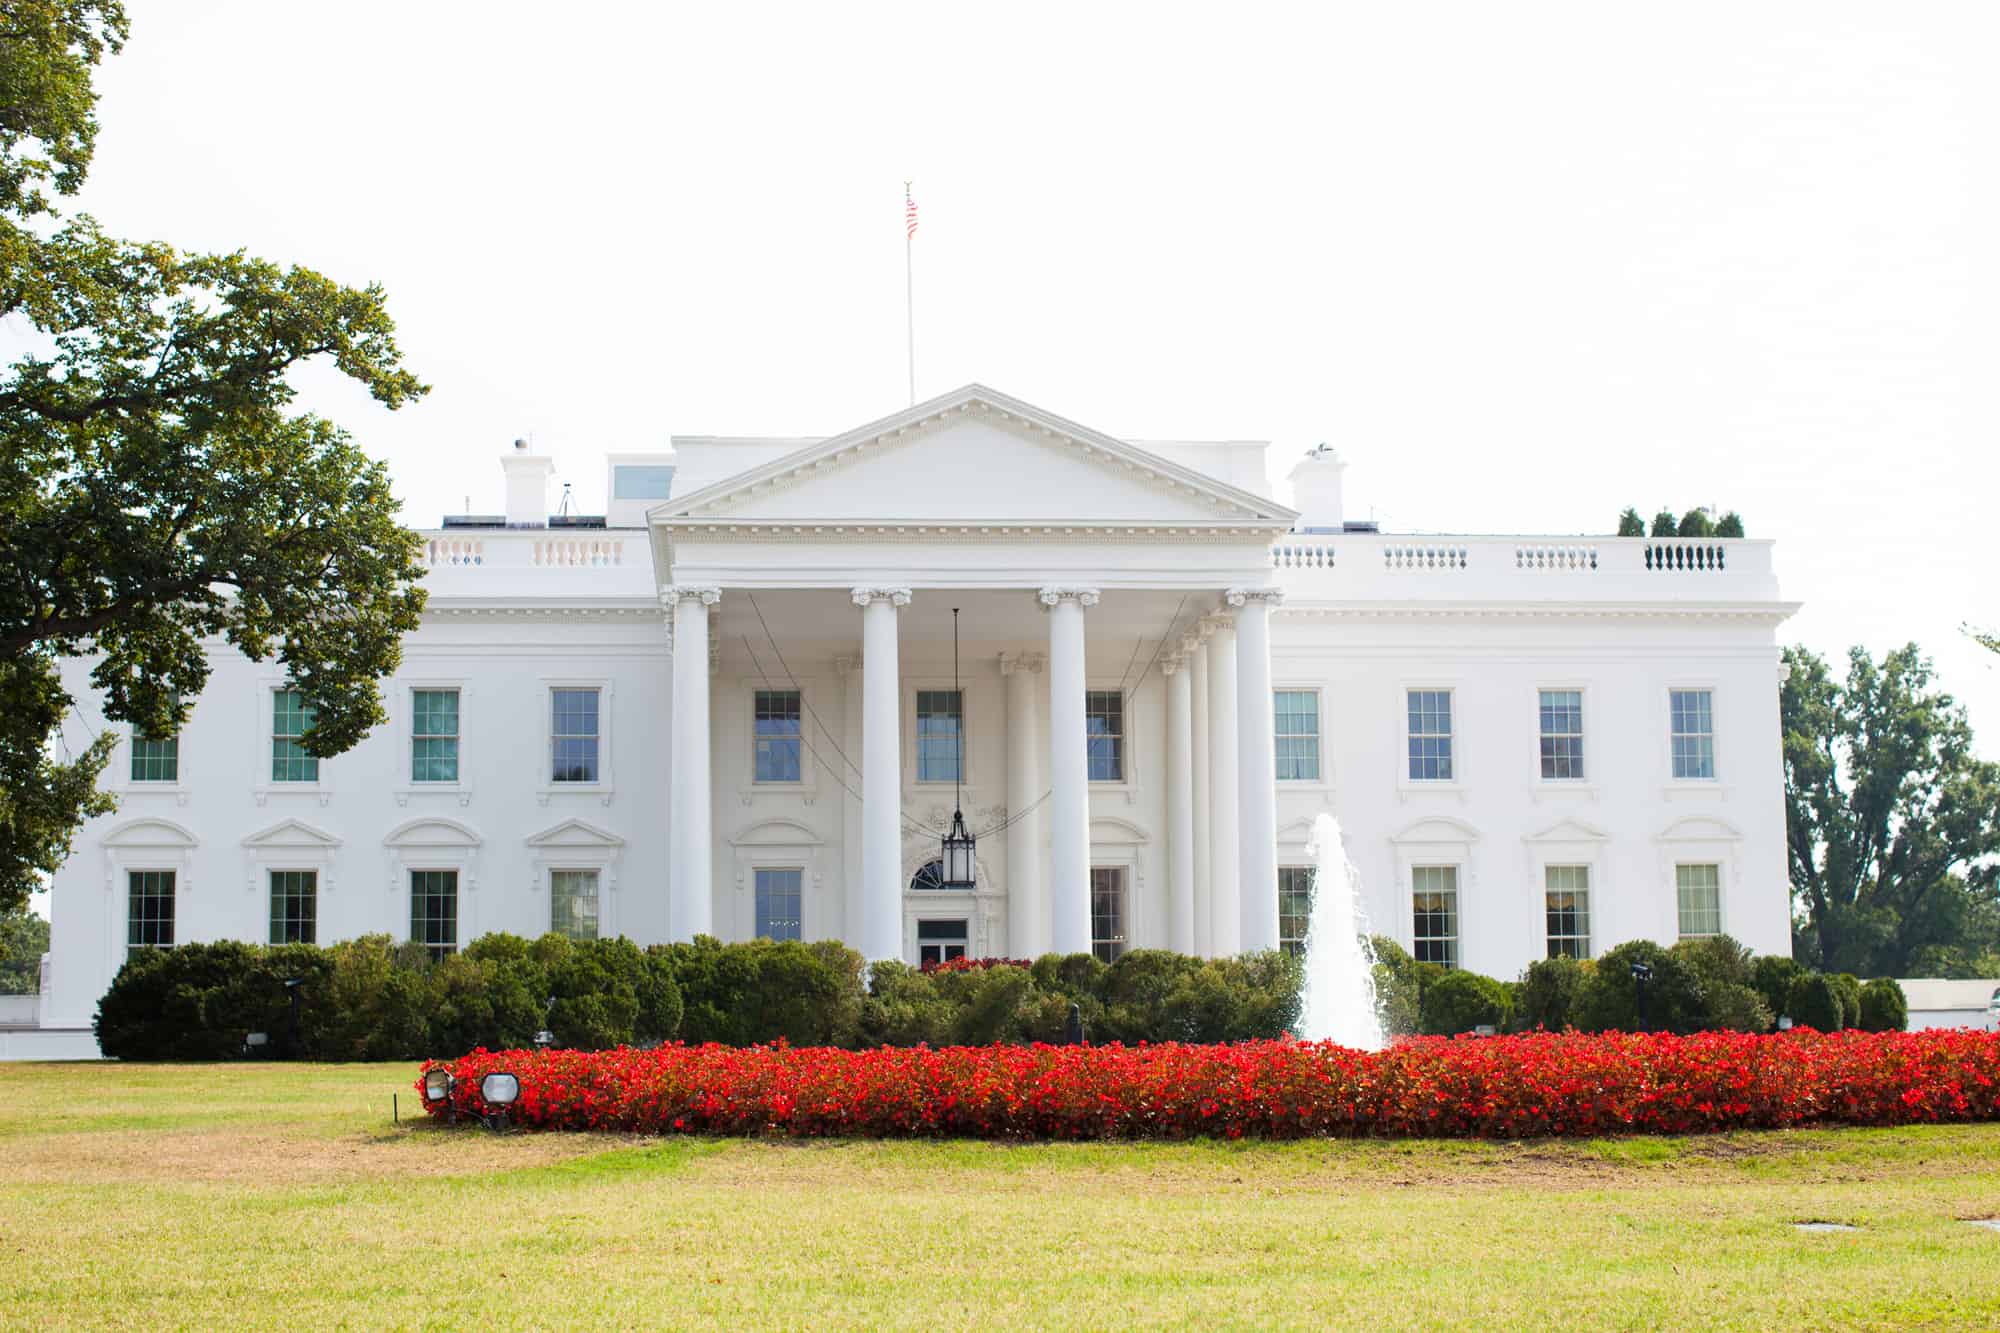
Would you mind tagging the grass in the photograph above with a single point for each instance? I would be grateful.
(152, 1196)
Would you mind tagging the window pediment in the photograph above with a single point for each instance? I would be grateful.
(292, 833)
(432, 832)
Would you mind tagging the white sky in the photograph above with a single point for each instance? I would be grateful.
(1523, 264)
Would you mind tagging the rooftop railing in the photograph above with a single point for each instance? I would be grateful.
(1358, 565)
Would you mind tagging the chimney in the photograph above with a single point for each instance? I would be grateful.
(1316, 490)
(527, 486)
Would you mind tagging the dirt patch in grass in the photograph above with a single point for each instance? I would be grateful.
(242, 1155)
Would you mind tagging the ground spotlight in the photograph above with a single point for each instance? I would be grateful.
(499, 1090)
(438, 1084)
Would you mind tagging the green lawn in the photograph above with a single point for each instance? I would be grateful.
(151, 1196)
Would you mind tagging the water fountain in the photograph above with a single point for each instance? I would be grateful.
(1338, 999)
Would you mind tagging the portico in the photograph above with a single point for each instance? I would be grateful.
(1084, 568)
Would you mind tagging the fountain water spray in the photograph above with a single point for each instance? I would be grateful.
(1338, 999)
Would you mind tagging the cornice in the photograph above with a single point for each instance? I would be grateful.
(1767, 613)
(909, 530)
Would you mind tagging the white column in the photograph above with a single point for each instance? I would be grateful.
(1195, 646)
(1027, 906)
(1225, 898)
(881, 925)
(1180, 805)
(691, 865)
(853, 907)
(1257, 766)
(1069, 772)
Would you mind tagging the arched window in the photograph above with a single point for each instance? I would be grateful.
(931, 876)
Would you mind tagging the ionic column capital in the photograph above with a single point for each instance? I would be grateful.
(1244, 596)
(1215, 622)
(672, 594)
(1172, 663)
(899, 597)
(1031, 663)
(1051, 597)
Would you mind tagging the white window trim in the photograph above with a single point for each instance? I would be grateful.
(778, 844)
(407, 732)
(1406, 786)
(1440, 840)
(983, 906)
(451, 846)
(1458, 938)
(1684, 788)
(120, 767)
(1570, 843)
(1127, 866)
(1696, 840)
(1129, 783)
(289, 844)
(1324, 782)
(1587, 786)
(911, 688)
(140, 845)
(1121, 844)
(262, 786)
(546, 787)
(575, 845)
(745, 713)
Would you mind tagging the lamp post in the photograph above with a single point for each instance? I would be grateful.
(1641, 975)
(960, 863)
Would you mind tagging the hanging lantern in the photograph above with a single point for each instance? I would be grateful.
(960, 848)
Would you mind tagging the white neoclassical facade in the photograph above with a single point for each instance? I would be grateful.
(728, 706)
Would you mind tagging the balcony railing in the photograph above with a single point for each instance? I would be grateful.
(1365, 565)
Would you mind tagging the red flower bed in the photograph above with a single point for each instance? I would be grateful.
(974, 964)
(1505, 1087)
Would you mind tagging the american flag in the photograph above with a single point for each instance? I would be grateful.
(909, 213)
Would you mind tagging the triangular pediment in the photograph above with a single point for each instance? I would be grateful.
(292, 833)
(974, 456)
(576, 833)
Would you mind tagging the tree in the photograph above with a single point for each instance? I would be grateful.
(24, 938)
(1695, 523)
(1729, 525)
(1630, 524)
(1892, 823)
(155, 488)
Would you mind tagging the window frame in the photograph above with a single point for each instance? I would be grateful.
(271, 739)
(1718, 865)
(604, 787)
(805, 757)
(172, 896)
(411, 688)
(1304, 918)
(1126, 748)
(1549, 936)
(1124, 942)
(1319, 778)
(270, 874)
(1457, 891)
(598, 877)
(913, 691)
(757, 873)
(262, 788)
(458, 892)
(1713, 781)
(1429, 685)
(133, 740)
(940, 942)
(1585, 759)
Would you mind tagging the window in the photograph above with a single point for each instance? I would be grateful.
(1295, 885)
(1104, 727)
(930, 875)
(149, 917)
(1694, 733)
(1107, 912)
(940, 725)
(1699, 888)
(940, 941)
(1430, 735)
(779, 735)
(291, 716)
(1435, 895)
(642, 481)
(155, 761)
(294, 907)
(1298, 735)
(433, 735)
(1562, 735)
(778, 916)
(573, 903)
(1567, 890)
(574, 738)
(434, 911)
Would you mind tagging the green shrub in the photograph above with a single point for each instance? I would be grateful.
(1848, 987)
(763, 990)
(1729, 525)
(1396, 987)
(1883, 1006)
(1773, 976)
(1814, 1002)
(1460, 1001)
(1733, 1008)
(1664, 523)
(1609, 997)
(1548, 994)
(1630, 524)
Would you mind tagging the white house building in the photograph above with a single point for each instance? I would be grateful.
(728, 707)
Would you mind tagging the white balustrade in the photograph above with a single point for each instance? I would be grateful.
(1667, 556)
(578, 552)
(1402, 556)
(1555, 557)
(454, 551)
(1297, 553)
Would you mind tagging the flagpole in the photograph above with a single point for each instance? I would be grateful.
(909, 285)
